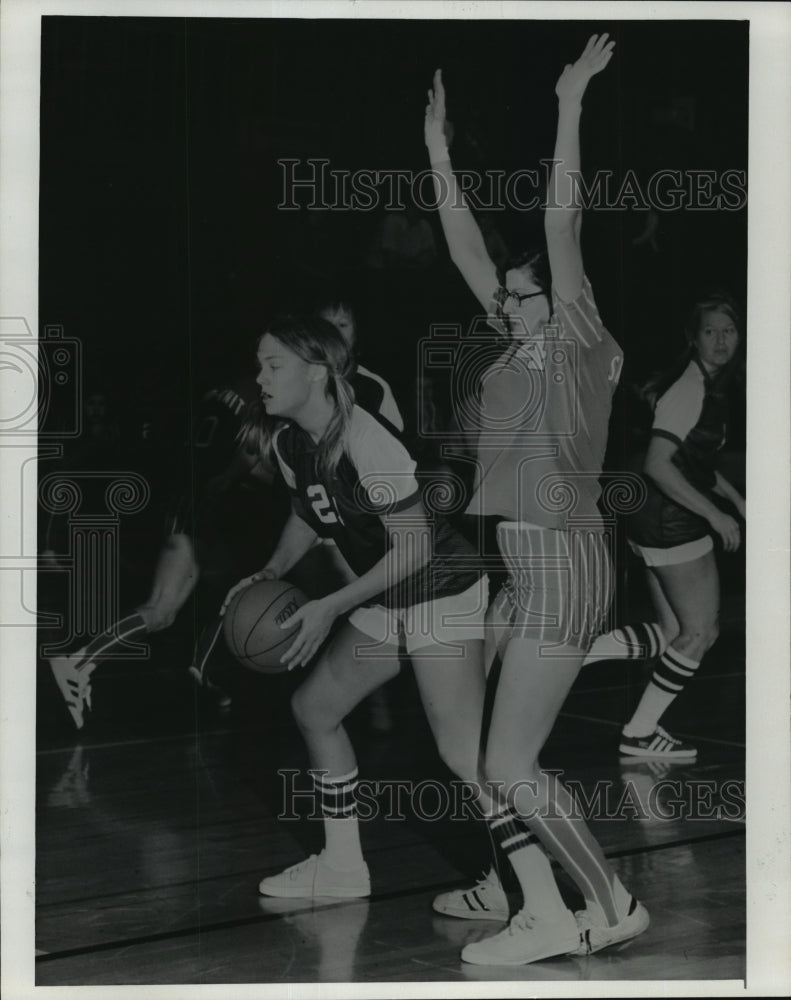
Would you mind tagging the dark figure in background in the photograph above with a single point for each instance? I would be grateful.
(223, 475)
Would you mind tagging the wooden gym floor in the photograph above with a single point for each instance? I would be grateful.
(155, 824)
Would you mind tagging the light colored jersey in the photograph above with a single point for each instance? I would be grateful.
(377, 398)
(544, 411)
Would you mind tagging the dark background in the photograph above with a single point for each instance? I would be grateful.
(163, 251)
(162, 248)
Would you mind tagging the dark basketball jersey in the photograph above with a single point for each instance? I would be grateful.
(544, 409)
(693, 414)
(375, 476)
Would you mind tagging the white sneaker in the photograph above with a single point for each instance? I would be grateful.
(486, 900)
(526, 939)
(314, 877)
(74, 684)
(659, 745)
(594, 937)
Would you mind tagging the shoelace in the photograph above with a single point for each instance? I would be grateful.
(666, 735)
(294, 870)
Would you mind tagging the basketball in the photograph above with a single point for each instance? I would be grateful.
(252, 624)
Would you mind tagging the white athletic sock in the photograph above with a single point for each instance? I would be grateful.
(623, 900)
(342, 848)
(672, 673)
(632, 642)
(531, 866)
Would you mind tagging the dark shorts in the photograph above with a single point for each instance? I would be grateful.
(663, 524)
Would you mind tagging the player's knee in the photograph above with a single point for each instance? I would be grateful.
(695, 640)
(713, 633)
(460, 759)
(311, 713)
(503, 772)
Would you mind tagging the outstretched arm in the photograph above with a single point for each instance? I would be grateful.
(563, 216)
(465, 240)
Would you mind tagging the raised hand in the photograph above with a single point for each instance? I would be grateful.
(434, 125)
(574, 78)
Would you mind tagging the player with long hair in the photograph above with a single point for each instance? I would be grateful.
(416, 582)
(558, 591)
(674, 530)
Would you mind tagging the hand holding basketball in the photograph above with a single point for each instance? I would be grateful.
(315, 620)
(262, 574)
(258, 624)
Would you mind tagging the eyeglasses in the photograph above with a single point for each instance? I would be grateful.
(520, 297)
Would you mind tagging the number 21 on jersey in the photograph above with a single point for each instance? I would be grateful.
(322, 505)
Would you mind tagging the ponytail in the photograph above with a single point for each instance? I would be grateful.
(333, 442)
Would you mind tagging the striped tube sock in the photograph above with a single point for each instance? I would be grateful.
(632, 642)
(671, 676)
(111, 640)
(529, 862)
(563, 832)
(338, 801)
